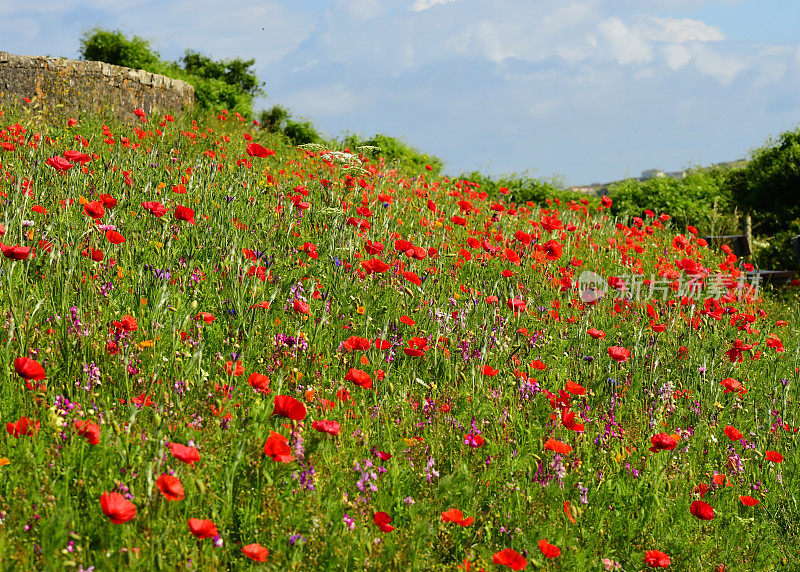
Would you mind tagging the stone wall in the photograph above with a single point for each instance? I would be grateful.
(82, 86)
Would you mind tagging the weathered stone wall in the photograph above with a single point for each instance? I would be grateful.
(90, 86)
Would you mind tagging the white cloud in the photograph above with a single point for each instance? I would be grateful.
(325, 100)
(677, 56)
(626, 44)
(723, 67)
(525, 83)
(679, 30)
(420, 5)
(362, 10)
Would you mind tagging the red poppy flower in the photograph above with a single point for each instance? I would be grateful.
(59, 163)
(183, 453)
(116, 507)
(206, 317)
(359, 377)
(236, 370)
(412, 277)
(260, 382)
(128, 323)
(552, 249)
(354, 343)
(575, 388)
(203, 528)
(301, 307)
(94, 209)
(277, 448)
(108, 201)
(721, 480)
(733, 433)
(382, 520)
(732, 385)
(23, 426)
(596, 334)
(88, 430)
(489, 371)
(29, 369)
(662, 442)
(456, 516)
(326, 426)
(407, 321)
(511, 256)
(171, 487)
(748, 501)
(256, 150)
(558, 446)
(255, 552)
(511, 558)
(77, 157)
(114, 237)
(568, 419)
(93, 253)
(375, 265)
(184, 213)
(474, 440)
(287, 406)
(774, 456)
(15, 252)
(373, 248)
(619, 354)
(156, 208)
(656, 559)
(702, 510)
(516, 305)
(549, 550)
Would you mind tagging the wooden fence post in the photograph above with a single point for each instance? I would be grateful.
(748, 232)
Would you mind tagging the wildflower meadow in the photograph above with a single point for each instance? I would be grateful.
(220, 351)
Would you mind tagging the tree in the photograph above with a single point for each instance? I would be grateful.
(115, 48)
(235, 72)
(274, 118)
(224, 84)
(278, 119)
(769, 186)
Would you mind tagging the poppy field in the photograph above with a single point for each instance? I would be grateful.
(218, 351)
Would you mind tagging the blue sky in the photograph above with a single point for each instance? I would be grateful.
(586, 90)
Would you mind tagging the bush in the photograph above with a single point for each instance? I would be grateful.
(769, 186)
(278, 119)
(701, 199)
(115, 48)
(225, 84)
(524, 188)
(301, 132)
(398, 153)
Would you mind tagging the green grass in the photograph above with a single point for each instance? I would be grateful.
(166, 382)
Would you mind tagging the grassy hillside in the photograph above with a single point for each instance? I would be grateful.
(218, 350)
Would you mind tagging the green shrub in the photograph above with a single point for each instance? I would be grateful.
(274, 118)
(701, 199)
(398, 153)
(225, 84)
(278, 119)
(524, 188)
(769, 186)
(115, 48)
